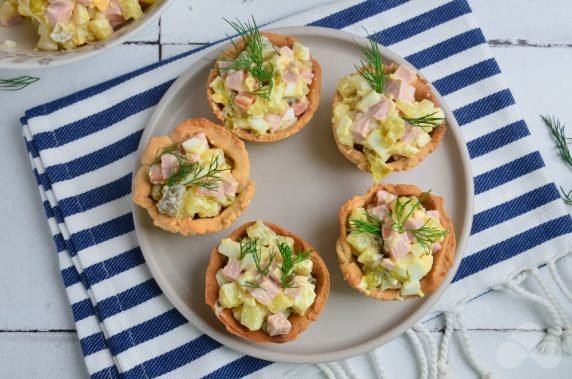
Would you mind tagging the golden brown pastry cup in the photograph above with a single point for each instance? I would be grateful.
(313, 95)
(422, 91)
(218, 137)
(299, 323)
(442, 260)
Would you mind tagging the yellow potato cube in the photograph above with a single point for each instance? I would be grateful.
(100, 27)
(228, 295)
(280, 303)
(130, 9)
(252, 316)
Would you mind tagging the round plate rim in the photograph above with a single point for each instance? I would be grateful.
(258, 350)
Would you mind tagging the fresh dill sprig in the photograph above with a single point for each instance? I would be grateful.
(253, 248)
(289, 259)
(371, 66)
(566, 196)
(400, 213)
(427, 121)
(18, 83)
(371, 225)
(426, 235)
(251, 57)
(196, 174)
(557, 129)
(251, 284)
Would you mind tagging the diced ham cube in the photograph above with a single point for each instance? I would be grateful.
(379, 110)
(235, 81)
(278, 324)
(222, 65)
(86, 3)
(244, 100)
(155, 174)
(413, 223)
(386, 229)
(307, 75)
(274, 120)
(228, 183)
(434, 214)
(379, 211)
(360, 128)
(219, 192)
(59, 11)
(388, 264)
(399, 89)
(286, 51)
(384, 197)
(411, 133)
(406, 74)
(300, 106)
(232, 270)
(290, 77)
(169, 165)
(296, 287)
(114, 15)
(267, 291)
(398, 244)
(435, 248)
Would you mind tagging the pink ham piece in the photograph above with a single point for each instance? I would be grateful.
(360, 128)
(235, 81)
(388, 264)
(267, 292)
(399, 89)
(155, 174)
(384, 197)
(169, 165)
(411, 133)
(379, 110)
(435, 248)
(278, 324)
(379, 211)
(288, 117)
(244, 100)
(413, 223)
(114, 15)
(290, 77)
(86, 3)
(59, 11)
(397, 244)
(286, 51)
(307, 75)
(219, 192)
(300, 106)
(274, 120)
(222, 65)
(386, 229)
(228, 183)
(296, 289)
(434, 214)
(406, 74)
(232, 270)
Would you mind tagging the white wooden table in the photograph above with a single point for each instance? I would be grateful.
(532, 41)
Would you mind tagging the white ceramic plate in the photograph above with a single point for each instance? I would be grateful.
(24, 56)
(301, 182)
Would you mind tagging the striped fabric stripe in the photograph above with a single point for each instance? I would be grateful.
(126, 326)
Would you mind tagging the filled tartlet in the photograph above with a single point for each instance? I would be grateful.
(395, 242)
(385, 117)
(195, 181)
(265, 283)
(266, 87)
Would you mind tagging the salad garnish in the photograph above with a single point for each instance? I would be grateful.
(289, 259)
(371, 67)
(427, 121)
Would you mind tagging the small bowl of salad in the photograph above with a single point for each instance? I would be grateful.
(40, 33)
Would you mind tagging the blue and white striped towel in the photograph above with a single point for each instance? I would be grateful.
(82, 148)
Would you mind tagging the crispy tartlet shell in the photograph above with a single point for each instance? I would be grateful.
(313, 96)
(299, 323)
(422, 91)
(442, 260)
(217, 136)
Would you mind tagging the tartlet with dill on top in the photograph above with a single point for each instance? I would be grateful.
(266, 284)
(195, 181)
(396, 242)
(386, 117)
(266, 87)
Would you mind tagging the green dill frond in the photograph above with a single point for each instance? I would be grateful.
(371, 225)
(557, 129)
(426, 235)
(289, 259)
(18, 83)
(252, 247)
(427, 121)
(371, 66)
(566, 196)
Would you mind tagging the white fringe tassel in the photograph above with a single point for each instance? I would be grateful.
(566, 343)
(326, 370)
(444, 347)
(431, 350)
(419, 353)
(559, 282)
(550, 344)
(469, 352)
